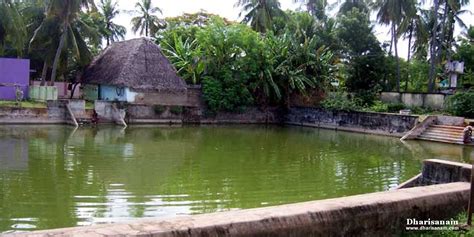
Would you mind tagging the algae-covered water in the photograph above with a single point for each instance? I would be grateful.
(55, 176)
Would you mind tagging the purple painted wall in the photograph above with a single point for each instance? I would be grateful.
(14, 71)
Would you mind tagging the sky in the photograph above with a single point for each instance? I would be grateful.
(225, 8)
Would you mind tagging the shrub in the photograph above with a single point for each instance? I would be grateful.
(159, 109)
(340, 101)
(177, 110)
(395, 107)
(462, 104)
(379, 106)
(226, 94)
(382, 107)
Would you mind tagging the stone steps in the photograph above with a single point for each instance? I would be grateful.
(443, 133)
(447, 135)
(447, 127)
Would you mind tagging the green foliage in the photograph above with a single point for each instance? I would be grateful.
(229, 55)
(186, 57)
(341, 101)
(239, 67)
(418, 81)
(147, 23)
(382, 107)
(111, 31)
(225, 93)
(177, 110)
(465, 53)
(12, 27)
(462, 104)
(159, 109)
(260, 14)
(302, 65)
(365, 58)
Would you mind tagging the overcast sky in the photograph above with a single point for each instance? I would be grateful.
(226, 9)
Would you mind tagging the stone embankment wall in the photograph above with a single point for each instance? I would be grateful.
(55, 113)
(24, 115)
(366, 122)
(372, 123)
(439, 172)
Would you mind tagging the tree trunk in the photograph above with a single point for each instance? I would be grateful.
(44, 74)
(146, 27)
(433, 48)
(450, 39)
(410, 36)
(58, 55)
(73, 90)
(391, 44)
(443, 31)
(395, 42)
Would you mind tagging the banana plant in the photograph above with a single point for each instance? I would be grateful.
(186, 57)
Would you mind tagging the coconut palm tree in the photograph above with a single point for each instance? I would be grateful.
(347, 5)
(433, 46)
(63, 18)
(316, 8)
(414, 28)
(12, 26)
(260, 13)
(113, 32)
(454, 11)
(147, 22)
(392, 12)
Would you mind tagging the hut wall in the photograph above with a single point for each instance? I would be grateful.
(113, 93)
(91, 92)
(162, 98)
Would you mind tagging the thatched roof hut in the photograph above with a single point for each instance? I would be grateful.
(137, 64)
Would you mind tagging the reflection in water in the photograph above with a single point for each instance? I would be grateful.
(57, 177)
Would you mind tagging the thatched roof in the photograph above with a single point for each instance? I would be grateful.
(138, 64)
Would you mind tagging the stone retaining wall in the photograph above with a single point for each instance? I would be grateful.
(373, 123)
(366, 122)
(25, 116)
(436, 171)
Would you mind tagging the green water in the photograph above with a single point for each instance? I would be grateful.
(55, 176)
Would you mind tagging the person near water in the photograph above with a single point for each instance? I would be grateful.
(467, 134)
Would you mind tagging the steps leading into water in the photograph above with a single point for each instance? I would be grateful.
(443, 133)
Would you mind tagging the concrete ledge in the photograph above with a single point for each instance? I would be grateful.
(443, 171)
(375, 214)
(355, 121)
(155, 121)
(346, 129)
(439, 172)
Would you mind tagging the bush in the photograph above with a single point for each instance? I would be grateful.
(462, 104)
(395, 107)
(382, 107)
(177, 110)
(340, 101)
(379, 106)
(159, 109)
(226, 94)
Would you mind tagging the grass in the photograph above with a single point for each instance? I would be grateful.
(24, 104)
(90, 105)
